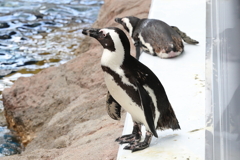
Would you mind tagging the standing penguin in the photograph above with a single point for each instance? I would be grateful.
(155, 36)
(134, 87)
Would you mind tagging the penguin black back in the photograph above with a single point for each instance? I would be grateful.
(155, 36)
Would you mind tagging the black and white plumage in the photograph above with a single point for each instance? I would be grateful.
(155, 36)
(134, 87)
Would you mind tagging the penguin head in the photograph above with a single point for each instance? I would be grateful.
(129, 23)
(111, 38)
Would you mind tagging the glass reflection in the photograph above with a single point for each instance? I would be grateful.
(223, 62)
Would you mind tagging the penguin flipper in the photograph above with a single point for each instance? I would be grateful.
(113, 107)
(184, 36)
(147, 105)
(137, 45)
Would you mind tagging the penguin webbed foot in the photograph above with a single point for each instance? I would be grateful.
(137, 146)
(129, 138)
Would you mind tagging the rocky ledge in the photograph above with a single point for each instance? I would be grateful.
(60, 113)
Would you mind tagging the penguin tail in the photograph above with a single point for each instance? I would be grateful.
(184, 36)
(168, 120)
(175, 126)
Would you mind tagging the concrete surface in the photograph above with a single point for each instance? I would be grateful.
(184, 81)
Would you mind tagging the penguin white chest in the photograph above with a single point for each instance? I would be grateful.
(121, 96)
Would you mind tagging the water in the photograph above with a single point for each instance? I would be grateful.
(34, 35)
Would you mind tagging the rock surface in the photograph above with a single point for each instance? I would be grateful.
(60, 113)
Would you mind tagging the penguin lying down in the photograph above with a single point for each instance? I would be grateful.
(155, 36)
(134, 87)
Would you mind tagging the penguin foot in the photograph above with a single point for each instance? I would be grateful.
(137, 146)
(129, 138)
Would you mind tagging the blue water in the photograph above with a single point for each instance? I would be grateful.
(37, 34)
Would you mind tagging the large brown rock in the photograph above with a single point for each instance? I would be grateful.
(60, 113)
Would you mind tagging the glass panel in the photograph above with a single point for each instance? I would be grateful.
(223, 80)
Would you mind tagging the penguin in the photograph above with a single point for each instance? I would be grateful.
(134, 87)
(155, 36)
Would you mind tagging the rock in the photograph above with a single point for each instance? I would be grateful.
(4, 25)
(3, 121)
(3, 37)
(39, 16)
(50, 23)
(60, 113)
(12, 33)
(7, 36)
(32, 25)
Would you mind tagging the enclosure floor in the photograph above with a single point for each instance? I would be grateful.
(184, 81)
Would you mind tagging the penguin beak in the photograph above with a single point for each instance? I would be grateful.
(92, 32)
(118, 20)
